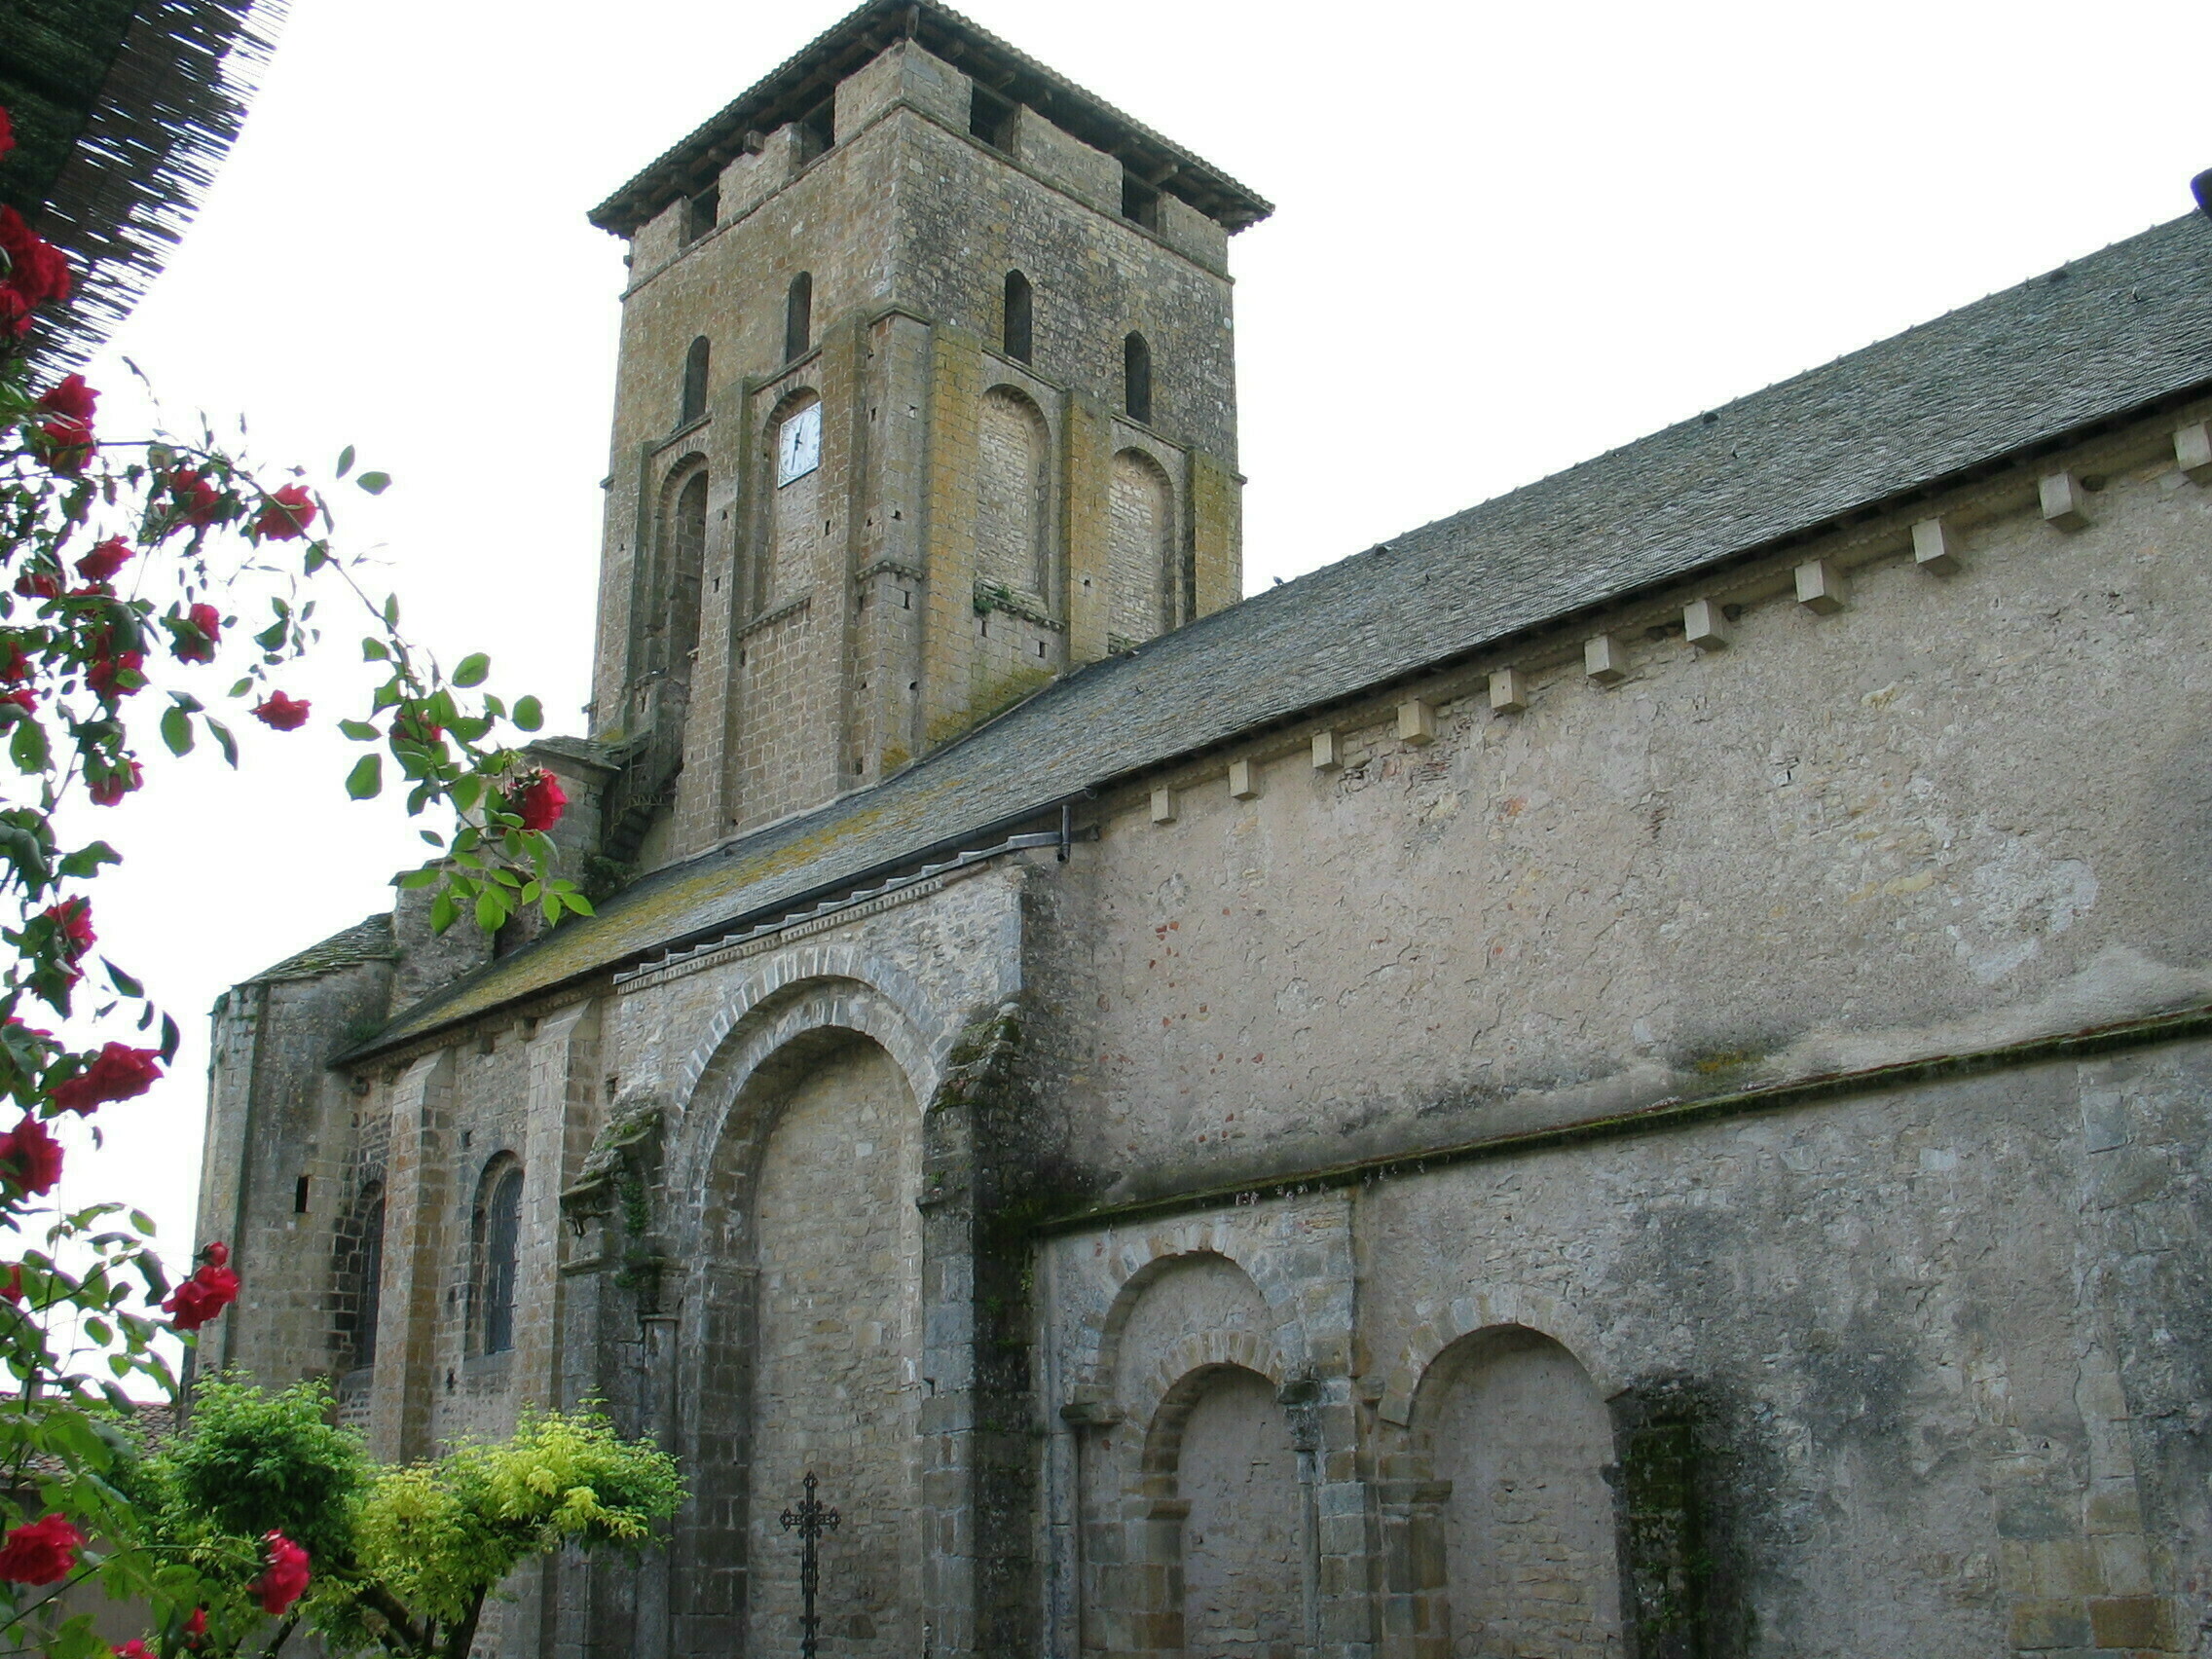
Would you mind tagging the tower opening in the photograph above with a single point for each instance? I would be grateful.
(694, 403)
(701, 213)
(1140, 202)
(1017, 317)
(1137, 380)
(990, 118)
(798, 317)
(817, 130)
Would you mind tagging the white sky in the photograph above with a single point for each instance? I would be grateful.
(1506, 239)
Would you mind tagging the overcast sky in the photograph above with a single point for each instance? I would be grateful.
(1506, 239)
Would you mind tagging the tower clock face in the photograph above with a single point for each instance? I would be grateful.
(798, 445)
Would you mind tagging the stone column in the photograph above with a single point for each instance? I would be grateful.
(417, 1198)
(1415, 1608)
(1086, 472)
(948, 632)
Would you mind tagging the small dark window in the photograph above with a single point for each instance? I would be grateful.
(1018, 297)
(498, 1234)
(300, 1195)
(1136, 378)
(694, 383)
(701, 213)
(798, 317)
(1140, 202)
(370, 1307)
(990, 118)
(817, 130)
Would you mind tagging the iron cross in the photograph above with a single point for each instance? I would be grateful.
(810, 1519)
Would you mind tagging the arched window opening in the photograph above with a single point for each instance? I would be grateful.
(694, 383)
(495, 1229)
(1018, 302)
(1137, 380)
(701, 213)
(798, 317)
(360, 1278)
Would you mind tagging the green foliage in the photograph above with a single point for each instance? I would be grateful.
(252, 1462)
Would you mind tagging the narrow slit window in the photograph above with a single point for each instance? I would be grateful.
(1137, 380)
(300, 1195)
(695, 402)
(1017, 317)
(369, 1297)
(798, 317)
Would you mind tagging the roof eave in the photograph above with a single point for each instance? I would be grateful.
(788, 92)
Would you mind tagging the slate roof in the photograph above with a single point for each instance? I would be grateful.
(368, 940)
(798, 85)
(2113, 333)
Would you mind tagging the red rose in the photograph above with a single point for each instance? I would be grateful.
(72, 399)
(217, 1253)
(7, 133)
(284, 713)
(104, 674)
(23, 697)
(14, 665)
(117, 1073)
(102, 563)
(12, 1288)
(540, 802)
(39, 584)
(36, 273)
(134, 1650)
(30, 1157)
(202, 1297)
(73, 918)
(285, 1579)
(111, 786)
(41, 1552)
(193, 640)
(196, 1626)
(194, 496)
(287, 515)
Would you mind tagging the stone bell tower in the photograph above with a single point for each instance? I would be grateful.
(926, 397)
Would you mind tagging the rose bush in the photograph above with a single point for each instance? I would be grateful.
(144, 584)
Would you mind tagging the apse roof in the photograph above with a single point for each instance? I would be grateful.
(2117, 333)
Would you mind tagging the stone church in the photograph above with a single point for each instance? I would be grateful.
(1623, 1073)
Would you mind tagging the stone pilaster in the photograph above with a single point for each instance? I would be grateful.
(416, 1265)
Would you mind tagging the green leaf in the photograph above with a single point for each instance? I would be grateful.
(345, 460)
(27, 746)
(577, 902)
(224, 740)
(121, 981)
(273, 636)
(375, 483)
(242, 687)
(366, 778)
(176, 730)
(443, 912)
(372, 650)
(474, 669)
(530, 713)
(416, 878)
(360, 731)
(143, 1222)
(87, 859)
(490, 910)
